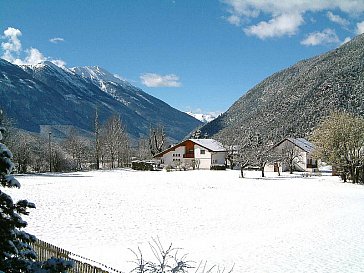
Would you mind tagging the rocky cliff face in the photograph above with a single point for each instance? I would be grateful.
(293, 101)
(46, 95)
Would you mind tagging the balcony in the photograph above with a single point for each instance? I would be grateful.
(189, 155)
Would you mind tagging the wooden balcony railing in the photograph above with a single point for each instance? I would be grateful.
(189, 155)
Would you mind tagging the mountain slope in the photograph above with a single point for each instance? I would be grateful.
(45, 94)
(292, 101)
(153, 110)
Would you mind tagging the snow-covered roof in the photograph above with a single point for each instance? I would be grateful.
(210, 144)
(302, 143)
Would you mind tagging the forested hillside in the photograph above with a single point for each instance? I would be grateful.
(292, 102)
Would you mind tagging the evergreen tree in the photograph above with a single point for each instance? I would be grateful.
(16, 253)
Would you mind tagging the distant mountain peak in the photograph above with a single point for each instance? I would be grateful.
(205, 118)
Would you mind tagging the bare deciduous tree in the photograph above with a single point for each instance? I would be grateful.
(97, 140)
(114, 140)
(22, 151)
(143, 149)
(290, 155)
(157, 139)
(78, 148)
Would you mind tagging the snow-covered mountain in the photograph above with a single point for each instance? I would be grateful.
(41, 95)
(205, 118)
(100, 76)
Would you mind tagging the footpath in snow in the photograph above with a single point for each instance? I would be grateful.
(276, 224)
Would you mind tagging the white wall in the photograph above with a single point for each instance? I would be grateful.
(174, 157)
(218, 158)
(205, 159)
(300, 161)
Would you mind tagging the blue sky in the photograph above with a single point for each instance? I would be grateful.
(196, 55)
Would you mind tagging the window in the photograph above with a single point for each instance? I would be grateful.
(202, 152)
(311, 163)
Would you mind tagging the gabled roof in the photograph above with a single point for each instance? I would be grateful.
(209, 144)
(302, 143)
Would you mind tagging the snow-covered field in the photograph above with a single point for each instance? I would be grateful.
(286, 224)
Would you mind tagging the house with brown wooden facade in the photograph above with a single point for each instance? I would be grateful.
(197, 153)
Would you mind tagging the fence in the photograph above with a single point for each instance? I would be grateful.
(46, 251)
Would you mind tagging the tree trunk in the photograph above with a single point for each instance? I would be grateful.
(231, 163)
(242, 172)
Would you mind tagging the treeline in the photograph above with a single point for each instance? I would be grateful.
(110, 147)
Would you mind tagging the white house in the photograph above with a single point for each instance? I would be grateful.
(299, 150)
(201, 153)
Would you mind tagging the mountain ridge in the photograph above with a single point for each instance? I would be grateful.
(48, 95)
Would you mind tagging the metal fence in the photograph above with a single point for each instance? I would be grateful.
(46, 251)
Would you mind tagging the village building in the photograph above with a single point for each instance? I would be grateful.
(297, 150)
(194, 153)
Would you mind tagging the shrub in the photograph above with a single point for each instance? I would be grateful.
(169, 260)
(142, 165)
(169, 168)
(218, 167)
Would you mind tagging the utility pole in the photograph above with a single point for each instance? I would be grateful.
(50, 151)
(97, 140)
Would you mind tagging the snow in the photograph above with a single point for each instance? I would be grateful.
(205, 118)
(303, 144)
(99, 75)
(210, 144)
(276, 224)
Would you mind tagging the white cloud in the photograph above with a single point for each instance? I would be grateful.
(56, 40)
(59, 63)
(248, 11)
(327, 36)
(360, 28)
(252, 8)
(34, 56)
(347, 39)
(12, 45)
(156, 80)
(234, 20)
(13, 52)
(285, 24)
(337, 19)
